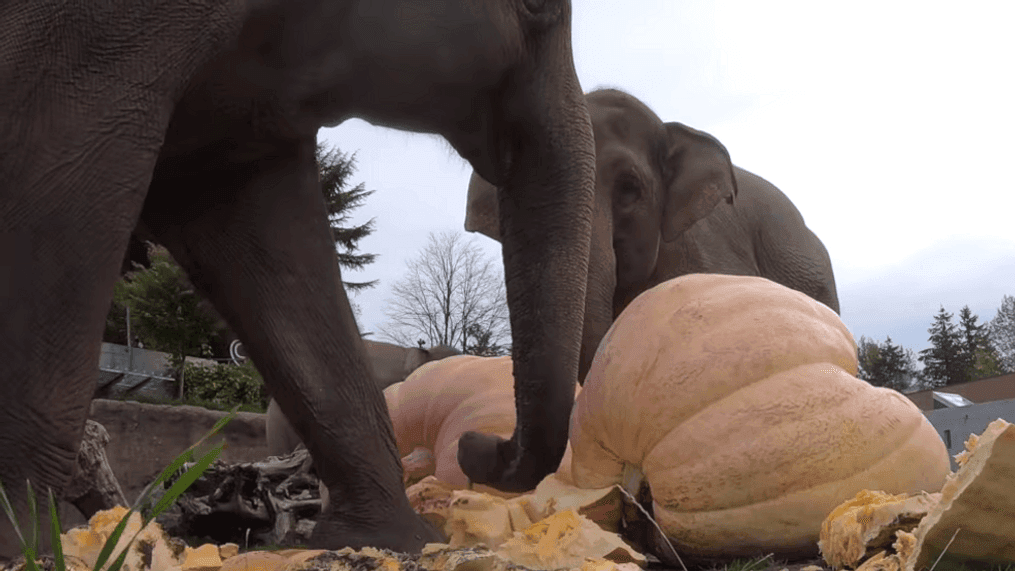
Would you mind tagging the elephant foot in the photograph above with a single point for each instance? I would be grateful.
(499, 463)
(405, 532)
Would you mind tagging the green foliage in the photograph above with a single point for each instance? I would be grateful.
(943, 364)
(977, 354)
(167, 311)
(886, 364)
(225, 385)
(1001, 331)
(959, 354)
(479, 341)
(986, 363)
(30, 546)
(335, 168)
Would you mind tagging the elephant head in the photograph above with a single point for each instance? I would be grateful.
(654, 180)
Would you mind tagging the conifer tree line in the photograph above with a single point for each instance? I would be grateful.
(959, 352)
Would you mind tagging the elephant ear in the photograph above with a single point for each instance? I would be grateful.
(698, 175)
(481, 212)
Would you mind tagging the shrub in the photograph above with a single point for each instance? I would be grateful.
(225, 385)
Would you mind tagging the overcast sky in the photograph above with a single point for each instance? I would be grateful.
(888, 124)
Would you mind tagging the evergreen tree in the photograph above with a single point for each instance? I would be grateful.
(335, 169)
(1002, 334)
(868, 356)
(943, 364)
(886, 364)
(977, 355)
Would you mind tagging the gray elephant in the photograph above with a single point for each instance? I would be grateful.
(390, 364)
(195, 121)
(665, 207)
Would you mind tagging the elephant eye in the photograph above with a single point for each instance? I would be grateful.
(627, 190)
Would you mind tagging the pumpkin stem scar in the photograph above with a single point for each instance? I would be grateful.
(631, 478)
(656, 525)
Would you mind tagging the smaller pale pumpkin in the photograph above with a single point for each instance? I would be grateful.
(736, 398)
(440, 401)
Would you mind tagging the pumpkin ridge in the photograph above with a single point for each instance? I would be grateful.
(767, 442)
(768, 523)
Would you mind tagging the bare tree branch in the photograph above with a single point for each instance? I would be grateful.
(452, 295)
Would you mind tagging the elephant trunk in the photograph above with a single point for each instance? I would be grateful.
(545, 204)
(602, 283)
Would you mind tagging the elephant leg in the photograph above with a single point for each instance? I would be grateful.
(282, 439)
(256, 241)
(65, 220)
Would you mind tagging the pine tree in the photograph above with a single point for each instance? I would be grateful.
(335, 169)
(943, 363)
(1002, 334)
(886, 364)
(868, 356)
(977, 354)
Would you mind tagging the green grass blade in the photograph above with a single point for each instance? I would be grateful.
(178, 487)
(33, 518)
(184, 457)
(9, 510)
(167, 500)
(119, 560)
(26, 549)
(185, 481)
(54, 529)
(107, 548)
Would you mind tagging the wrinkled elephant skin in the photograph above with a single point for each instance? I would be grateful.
(195, 122)
(390, 364)
(669, 203)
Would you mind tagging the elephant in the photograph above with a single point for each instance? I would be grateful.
(390, 364)
(195, 123)
(665, 207)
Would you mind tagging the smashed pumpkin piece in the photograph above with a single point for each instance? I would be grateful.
(971, 521)
(203, 558)
(979, 501)
(867, 523)
(417, 465)
(476, 518)
(227, 550)
(601, 505)
(564, 540)
(431, 498)
(152, 547)
(255, 561)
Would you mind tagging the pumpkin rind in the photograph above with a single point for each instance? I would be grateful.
(441, 400)
(737, 398)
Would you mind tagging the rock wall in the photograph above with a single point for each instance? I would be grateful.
(145, 438)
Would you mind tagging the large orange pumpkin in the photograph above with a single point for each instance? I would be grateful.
(737, 400)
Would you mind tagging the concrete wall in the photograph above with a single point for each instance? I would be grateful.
(145, 438)
(954, 425)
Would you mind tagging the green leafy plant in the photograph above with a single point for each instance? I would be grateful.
(169, 314)
(30, 542)
(225, 384)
